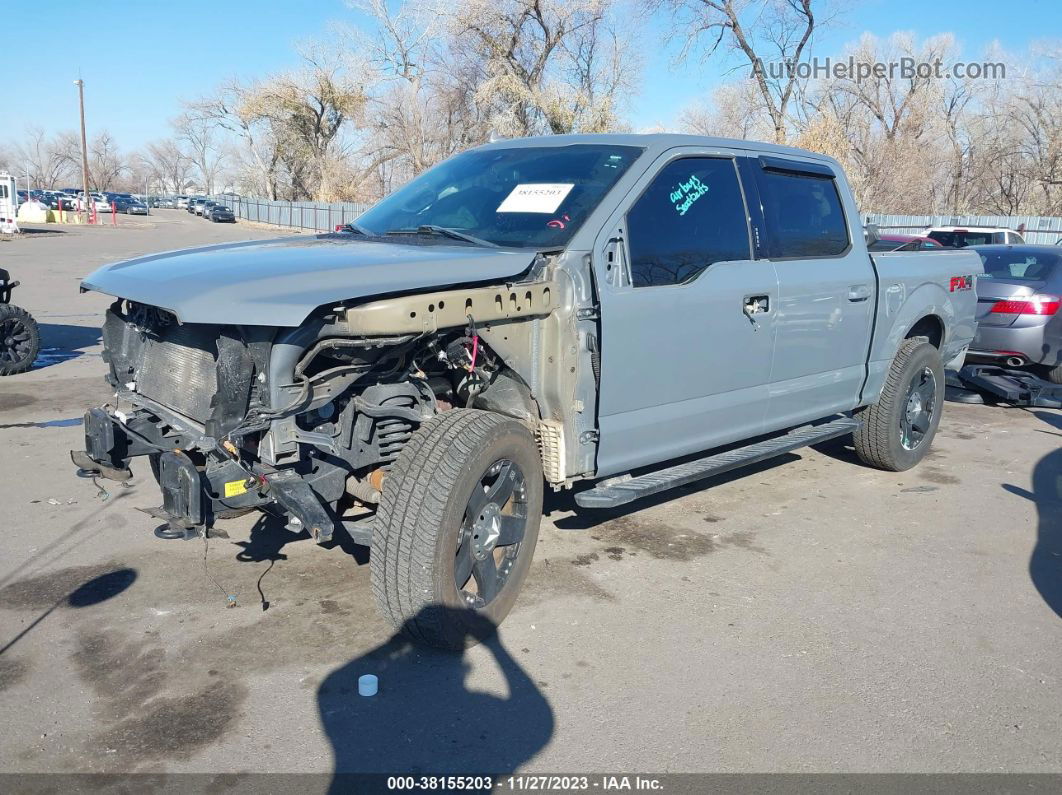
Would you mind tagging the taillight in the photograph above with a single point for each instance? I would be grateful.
(1036, 305)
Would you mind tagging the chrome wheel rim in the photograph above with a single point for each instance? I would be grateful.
(918, 409)
(491, 534)
(16, 343)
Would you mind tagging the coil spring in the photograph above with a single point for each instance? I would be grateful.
(392, 434)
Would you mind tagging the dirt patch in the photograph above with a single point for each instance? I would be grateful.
(743, 540)
(549, 580)
(934, 475)
(11, 672)
(331, 606)
(625, 536)
(174, 727)
(124, 673)
(659, 541)
(15, 400)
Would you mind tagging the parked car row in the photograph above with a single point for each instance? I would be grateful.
(72, 201)
(209, 209)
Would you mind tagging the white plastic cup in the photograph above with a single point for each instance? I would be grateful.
(368, 684)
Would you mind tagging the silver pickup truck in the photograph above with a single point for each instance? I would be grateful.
(571, 312)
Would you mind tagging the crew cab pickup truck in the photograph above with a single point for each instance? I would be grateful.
(563, 312)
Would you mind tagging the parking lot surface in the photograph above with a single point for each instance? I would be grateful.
(810, 614)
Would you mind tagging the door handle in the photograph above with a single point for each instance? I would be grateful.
(858, 292)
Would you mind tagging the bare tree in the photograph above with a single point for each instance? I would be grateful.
(735, 111)
(544, 66)
(169, 166)
(772, 37)
(200, 140)
(105, 162)
(45, 157)
(420, 105)
(228, 110)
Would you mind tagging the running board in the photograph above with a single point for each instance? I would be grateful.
(615, 491)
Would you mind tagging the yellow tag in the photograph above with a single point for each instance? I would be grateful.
(234, 488)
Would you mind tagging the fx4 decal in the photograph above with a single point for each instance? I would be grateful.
(962, 283)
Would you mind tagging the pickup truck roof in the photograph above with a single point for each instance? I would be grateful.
(660, 142)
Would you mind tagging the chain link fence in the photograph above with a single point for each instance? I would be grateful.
(1040, 229)
(311, 216)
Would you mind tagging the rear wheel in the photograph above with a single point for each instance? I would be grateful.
(898, 430)
(457, 526)
(20, 340)
(1052, 374)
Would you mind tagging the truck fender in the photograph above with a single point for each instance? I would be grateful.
(902, 312)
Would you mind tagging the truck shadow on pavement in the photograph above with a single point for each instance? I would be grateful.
(61, 342)
(425, 720)
(1045, 563)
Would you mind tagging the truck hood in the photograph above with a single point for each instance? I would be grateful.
(280, 282)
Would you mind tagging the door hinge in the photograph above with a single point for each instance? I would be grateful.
(587, 313)
(589, 437)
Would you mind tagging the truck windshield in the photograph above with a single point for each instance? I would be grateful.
(521, 196)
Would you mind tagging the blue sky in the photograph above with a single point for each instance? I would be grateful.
(139, 60)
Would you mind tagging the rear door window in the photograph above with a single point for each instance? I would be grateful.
(803, 215)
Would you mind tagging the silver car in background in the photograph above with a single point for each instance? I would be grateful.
(1018, 299)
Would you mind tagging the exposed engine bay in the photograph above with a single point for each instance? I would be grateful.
(308, 420)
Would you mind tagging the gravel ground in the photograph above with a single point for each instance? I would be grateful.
(809, 615)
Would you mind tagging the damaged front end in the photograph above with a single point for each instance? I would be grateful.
(305, 421)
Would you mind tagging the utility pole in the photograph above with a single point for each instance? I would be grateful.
(84, 151)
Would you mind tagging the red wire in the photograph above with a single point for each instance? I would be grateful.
(475, 350)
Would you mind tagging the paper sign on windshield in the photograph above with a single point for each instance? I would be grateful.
(540, 197)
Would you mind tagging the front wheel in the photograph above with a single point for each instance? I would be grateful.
(898, 430)
(456, 527)
(20, 340)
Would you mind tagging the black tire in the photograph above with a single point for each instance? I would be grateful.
(20, 340)
(886, 439)
(1052, 374)
(423, 535)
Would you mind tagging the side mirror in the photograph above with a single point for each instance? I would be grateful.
(870, 234)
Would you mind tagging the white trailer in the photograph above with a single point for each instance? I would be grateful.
(8, 205)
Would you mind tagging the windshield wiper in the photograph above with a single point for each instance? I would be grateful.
(442, 231)
(359, 230)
